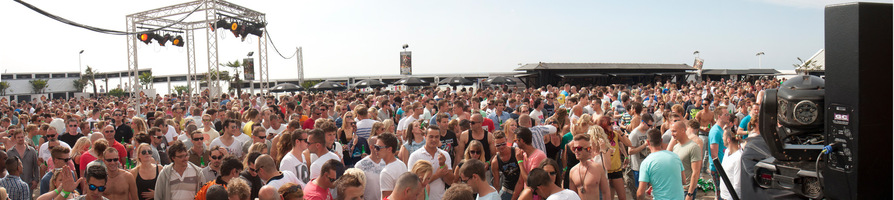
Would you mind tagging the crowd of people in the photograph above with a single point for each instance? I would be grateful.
(566, 142)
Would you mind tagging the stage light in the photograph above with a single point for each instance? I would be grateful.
(236, 28)
(255, 29)
(162, 39)
(145, 37)
(219, 24)
(178, 41)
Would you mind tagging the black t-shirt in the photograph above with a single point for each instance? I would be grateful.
(70, 139)
(123, 133)
(692, 110)
(449, 142)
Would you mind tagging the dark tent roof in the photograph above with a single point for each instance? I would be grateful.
(536, 66)
(739, 71)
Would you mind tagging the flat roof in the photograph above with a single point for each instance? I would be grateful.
(548, 66)
(739, 71)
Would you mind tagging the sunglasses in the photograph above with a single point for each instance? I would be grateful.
(303, 140)
(158, 136)
(146, 152)
(64, 159)
(50, 136)
(552, 173)
(475, 152)
(72, 125)
(108, 131)
(578, 149)
(252, 169)
(261, 137)
(498, 145)
(99, 188)
(198, 139)
(216, 157)
(332, 180)
(377, 147)
(112, 160)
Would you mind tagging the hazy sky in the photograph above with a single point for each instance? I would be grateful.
(343, 38)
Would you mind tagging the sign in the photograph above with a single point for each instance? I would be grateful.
(248, 69)
(698, 65)
(406, 63)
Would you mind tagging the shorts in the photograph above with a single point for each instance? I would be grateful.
(615, 175)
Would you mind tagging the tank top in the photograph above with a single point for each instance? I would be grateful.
(143, 185)
(552, 151)
(615, 163)
(510, 170)
(483, 141)
(412, 146)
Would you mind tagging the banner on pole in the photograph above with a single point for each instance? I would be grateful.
(248, 67)
(406, 63)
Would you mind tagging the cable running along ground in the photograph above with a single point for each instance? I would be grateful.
(102, 30)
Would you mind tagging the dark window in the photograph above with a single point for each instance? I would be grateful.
(23, 76)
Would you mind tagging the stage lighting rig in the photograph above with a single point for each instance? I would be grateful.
(178, 41)
(162, 39)
(146, 37)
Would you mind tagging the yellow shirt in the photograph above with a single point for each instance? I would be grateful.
(247, 128)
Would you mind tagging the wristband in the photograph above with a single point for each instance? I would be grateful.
(520, 161)
(56, 190)
(65, 194)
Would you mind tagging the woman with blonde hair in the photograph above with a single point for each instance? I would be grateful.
(424, 170)
(389, 125)
(139, 126)
(81, 146)
(146, 171)
(475, 151)
(378, 128)
(509, 128)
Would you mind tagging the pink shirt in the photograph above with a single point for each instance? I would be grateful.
(533, 160)
(314, 192)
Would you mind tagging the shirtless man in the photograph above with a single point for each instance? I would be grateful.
(120, 183)
(588, 177)
(477, 132)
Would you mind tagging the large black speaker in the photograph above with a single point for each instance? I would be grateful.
(858, 101)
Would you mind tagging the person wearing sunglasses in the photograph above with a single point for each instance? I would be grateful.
(121, 184)
(295, 160)
(146, 171)
(123, 131)
(108, 132)
(198, 154)
(61, 157)
(215, 160)
(259, 135)
(505, 165)
(318, 188)
(587, 178)
(539, 182)
(71, 135)
(473, 173)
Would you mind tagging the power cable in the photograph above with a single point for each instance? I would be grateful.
(277, 50)
(102, 30)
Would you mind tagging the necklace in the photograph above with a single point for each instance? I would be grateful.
(583, 178)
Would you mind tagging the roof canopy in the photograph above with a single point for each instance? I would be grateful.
(585, 66)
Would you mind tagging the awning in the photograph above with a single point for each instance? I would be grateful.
(672, 73)
(580, 75)
(525, 75)
(631, 74)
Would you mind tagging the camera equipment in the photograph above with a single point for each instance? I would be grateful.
(817, 132)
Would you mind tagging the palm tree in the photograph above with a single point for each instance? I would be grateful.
(3, 86)
(235, 65)
(146, 79)
(38, 85)
(90, 75)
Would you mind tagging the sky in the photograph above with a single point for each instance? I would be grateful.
(359, 38)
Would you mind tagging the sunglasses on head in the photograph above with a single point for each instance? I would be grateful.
(99, 188)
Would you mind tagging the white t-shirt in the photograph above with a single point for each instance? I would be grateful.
(286, 177)
(212, 134)
(296, 166)
(172, 132)
(389, 175)
(732, 165)
(242, 138)
(234, 149)
(405, 122)
(317, 165)
(495, 195)
(44, 151)
(271, 132)
(372, 170)
(438, 187)
(565, 194)
(537, 116)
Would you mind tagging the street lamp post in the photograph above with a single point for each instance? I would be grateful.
(759, 54)
(80, 69)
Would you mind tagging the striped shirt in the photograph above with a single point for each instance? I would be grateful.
(538, 132)
(15, 187)
(184, 187)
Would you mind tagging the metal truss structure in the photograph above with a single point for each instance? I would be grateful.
(214, 10)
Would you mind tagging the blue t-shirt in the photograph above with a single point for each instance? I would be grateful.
(744, 124)
(662, 170)
(716, 137)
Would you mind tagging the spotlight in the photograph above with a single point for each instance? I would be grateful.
(162, 39)
(178, 41)
(235, 28)
(219, 24)
(255, 29)
(145, 37)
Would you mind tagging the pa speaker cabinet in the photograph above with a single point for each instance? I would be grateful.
(858, 101)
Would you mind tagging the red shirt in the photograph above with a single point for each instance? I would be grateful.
(314, 192)
(122, 153)
(86, 158)
(308, 124)
(489, 123)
